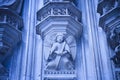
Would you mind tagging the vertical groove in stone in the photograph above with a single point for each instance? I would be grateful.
(31, 41)
(90, 58)
(24, 64)
(95, 40)
(84, 45)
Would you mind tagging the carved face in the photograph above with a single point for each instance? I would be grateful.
(60, 38)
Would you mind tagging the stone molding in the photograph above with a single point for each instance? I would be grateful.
(58, 9)
(63, 23)
(109, 22)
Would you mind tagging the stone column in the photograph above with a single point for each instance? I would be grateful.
(93, 56)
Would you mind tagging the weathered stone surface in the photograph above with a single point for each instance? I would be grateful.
(110, 22)
(59, 9)
(10, 34)
(10, 29)
(106, 5)
(59, 18)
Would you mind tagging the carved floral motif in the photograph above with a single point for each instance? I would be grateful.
(59, 10)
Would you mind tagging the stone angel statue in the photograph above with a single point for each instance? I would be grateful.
(59, 55)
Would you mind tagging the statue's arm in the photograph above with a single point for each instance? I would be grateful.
(67, 49)
(53, 48)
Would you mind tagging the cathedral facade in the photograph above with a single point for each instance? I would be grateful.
(59, 40)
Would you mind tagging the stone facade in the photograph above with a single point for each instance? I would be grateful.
(59, 40)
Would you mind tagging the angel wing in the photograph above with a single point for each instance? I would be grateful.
(48, 41)
(72, 44)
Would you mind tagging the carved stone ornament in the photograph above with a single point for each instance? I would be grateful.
(115, 37)
(59, 9)
(10, 29)
(10, 35)
(110, 23)
(61, 52)
(59, 27)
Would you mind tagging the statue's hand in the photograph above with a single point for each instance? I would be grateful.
(64, 52)
(56, 52)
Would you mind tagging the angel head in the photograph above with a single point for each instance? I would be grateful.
(60, 37)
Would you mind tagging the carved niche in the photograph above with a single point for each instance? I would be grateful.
(59, 55)
(61, 52)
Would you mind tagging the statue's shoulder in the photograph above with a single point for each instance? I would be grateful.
(56, 43)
